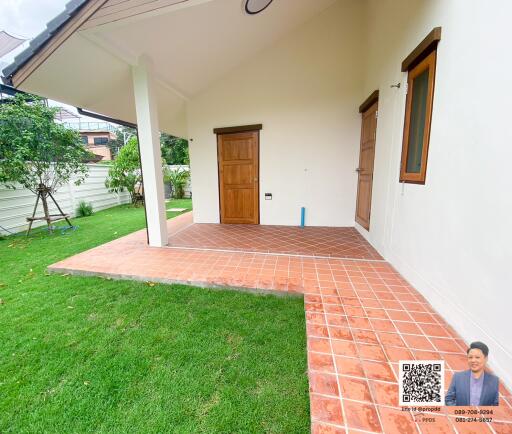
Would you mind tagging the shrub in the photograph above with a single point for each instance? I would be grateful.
(178, 179)
(84, 209)
(125, 172)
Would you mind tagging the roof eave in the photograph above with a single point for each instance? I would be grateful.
(53, 28)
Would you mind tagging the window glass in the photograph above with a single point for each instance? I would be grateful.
(417, 123)
(421, 69)
(100, 140)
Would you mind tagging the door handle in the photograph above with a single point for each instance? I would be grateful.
(359, 170)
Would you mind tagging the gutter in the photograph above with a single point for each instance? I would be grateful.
(83, 112)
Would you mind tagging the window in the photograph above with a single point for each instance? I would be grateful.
(421, 67)
(84, 140)
(100, 140)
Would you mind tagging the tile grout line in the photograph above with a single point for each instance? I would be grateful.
(389, 407)
(292, 255)
(395, 346)
(362, 364)
(389, 361)
(181, 229)
(333, 359)
(368, 359)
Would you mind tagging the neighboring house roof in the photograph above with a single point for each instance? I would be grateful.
(72, 8)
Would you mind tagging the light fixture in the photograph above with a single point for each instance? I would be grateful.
(254, 7)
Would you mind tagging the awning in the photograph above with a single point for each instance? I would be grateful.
(8, 42)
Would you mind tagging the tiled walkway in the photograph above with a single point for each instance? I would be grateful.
(362, 318)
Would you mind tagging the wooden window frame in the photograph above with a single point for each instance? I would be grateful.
(422, 58)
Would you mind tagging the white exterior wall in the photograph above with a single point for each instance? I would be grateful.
(17, 205)
(451, 238)
(305, 90)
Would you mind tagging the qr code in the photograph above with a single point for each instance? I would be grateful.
(421, 382)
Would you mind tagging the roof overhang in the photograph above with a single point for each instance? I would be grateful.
(84, 58)
(57, 31)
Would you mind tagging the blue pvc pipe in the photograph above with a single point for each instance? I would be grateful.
(302, 217)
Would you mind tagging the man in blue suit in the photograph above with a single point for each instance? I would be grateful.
(474, 386)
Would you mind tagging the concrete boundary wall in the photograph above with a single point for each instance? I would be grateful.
(16, 205)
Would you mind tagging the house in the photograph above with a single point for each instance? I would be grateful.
(96, 136)
(383, 115)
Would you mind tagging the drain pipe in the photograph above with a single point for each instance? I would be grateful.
(305, 198)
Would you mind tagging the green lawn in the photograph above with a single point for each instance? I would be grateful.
(177, 203)
(84, 354)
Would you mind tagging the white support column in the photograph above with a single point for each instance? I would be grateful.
(147, 121)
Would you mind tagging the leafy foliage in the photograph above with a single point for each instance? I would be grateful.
(34, 149)
(125, 173)
(122, 134)
(84, 209)
(174, 149)
(178, 179)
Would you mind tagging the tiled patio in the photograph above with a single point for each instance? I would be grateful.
(308, 241)
(362, 318)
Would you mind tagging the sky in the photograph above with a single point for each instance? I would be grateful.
(26, 19)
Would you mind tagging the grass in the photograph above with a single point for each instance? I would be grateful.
(177, 203)
(84, 354)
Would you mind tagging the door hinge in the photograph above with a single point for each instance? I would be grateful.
(406, 88)
(376, 114)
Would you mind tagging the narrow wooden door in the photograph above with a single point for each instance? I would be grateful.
(365, 169)
(238, 157)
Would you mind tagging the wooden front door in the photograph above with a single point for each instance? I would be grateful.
(238, 157)
(365, 169)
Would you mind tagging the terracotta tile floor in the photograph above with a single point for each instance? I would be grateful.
(362, 317)
(308, 241)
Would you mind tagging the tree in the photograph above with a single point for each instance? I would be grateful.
(37, 152)
(174, 149)
(125, 173)
(123, 134)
